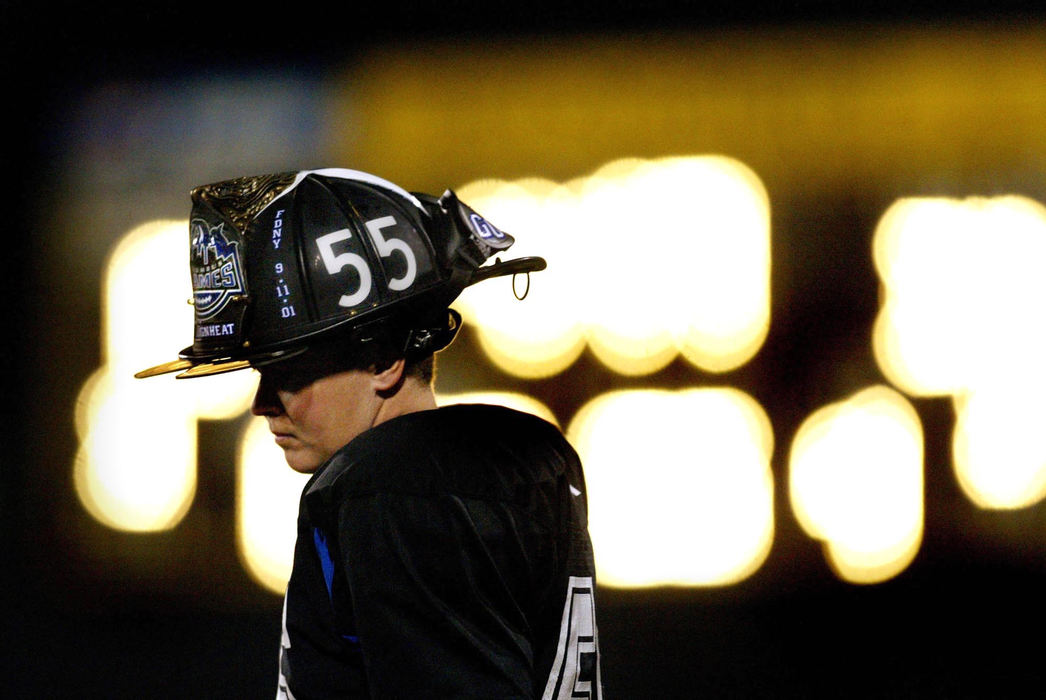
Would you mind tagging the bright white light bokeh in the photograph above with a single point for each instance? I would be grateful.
(964, 292)
(267, 494)
(680, 486)
(999, 445)
(647, 260)
(856, 483)
(544, 334)
(964, 299)
(136, 464)
(135, 469)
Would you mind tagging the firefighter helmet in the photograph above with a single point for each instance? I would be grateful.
(279, 260)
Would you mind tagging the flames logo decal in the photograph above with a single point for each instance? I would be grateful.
(217, 275)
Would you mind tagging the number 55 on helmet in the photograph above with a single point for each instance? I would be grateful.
(280, 260)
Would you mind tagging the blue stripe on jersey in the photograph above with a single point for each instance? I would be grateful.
(325, 558)
(328, 571)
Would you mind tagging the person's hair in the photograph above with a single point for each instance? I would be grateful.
(423, 369)
(376, 354)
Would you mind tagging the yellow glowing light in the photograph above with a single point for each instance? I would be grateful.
(139, 332)
(139, 270)
(520, 402)
(711, 255)
(961, 316)
(964, 292)
(856, 482)
(267, 507)
(628, 275)
(999, 445)
(647, 260)
(680, 486)
(542, 335)
(136, 465)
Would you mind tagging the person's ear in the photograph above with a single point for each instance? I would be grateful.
(387, 379)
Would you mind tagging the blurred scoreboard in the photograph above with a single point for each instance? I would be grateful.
(681, 483)
(696, 198)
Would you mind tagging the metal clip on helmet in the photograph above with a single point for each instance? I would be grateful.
(280, 260)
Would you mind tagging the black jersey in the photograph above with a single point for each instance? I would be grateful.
(444, 554)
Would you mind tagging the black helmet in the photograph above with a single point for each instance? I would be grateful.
(277, 260)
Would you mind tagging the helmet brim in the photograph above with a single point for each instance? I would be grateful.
(190, 368)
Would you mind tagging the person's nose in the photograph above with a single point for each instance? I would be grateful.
(266, 399)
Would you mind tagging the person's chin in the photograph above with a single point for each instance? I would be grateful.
(301, 461)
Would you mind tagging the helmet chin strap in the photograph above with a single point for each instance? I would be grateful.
(425, 341)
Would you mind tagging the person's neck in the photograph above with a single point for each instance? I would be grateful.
(411, 396)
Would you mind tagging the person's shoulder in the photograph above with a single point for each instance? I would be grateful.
(456, 427)
(472, 449)
(490, 418)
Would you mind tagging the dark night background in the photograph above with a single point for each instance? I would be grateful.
(961, 621)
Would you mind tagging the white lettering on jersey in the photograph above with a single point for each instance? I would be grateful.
(575, 672)
(282, 691)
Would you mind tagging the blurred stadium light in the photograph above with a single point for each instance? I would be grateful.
(648, 260)
(136, 467)
(962, 316)
(680, 486)
(856, 483)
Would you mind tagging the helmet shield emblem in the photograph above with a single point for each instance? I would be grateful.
(218, 281)
(214, 262)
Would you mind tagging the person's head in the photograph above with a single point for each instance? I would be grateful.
(319, 401)
(287, 266)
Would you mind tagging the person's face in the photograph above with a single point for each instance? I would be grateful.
(312, 410)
